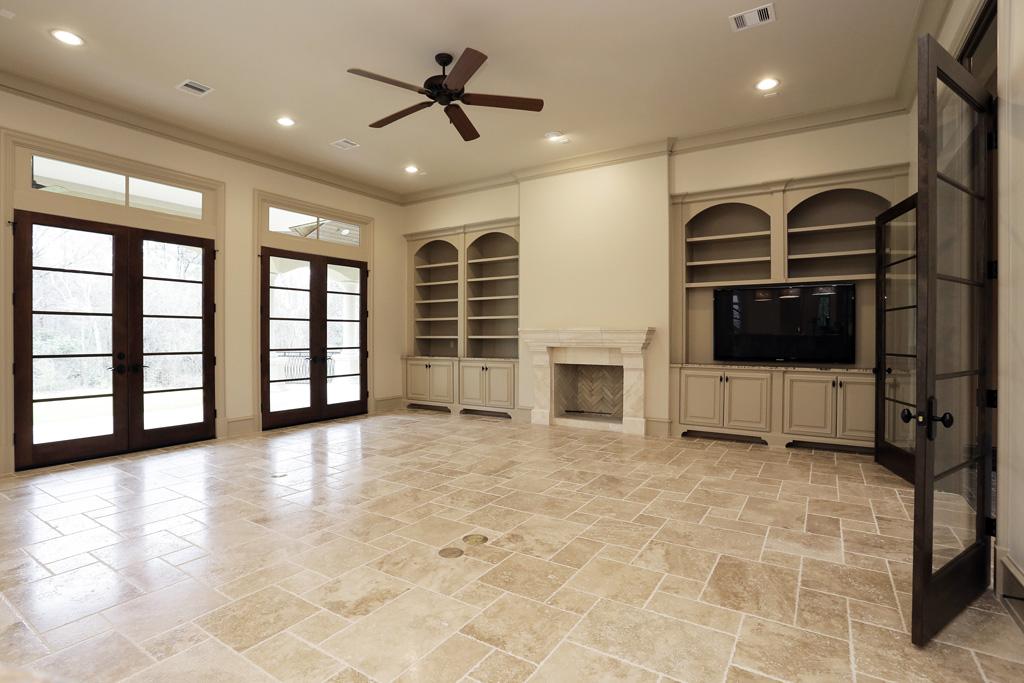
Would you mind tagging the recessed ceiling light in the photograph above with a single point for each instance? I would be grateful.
(286, 121)
(345, 231)
(766, 84)
(411, 168)
(67, 37)
(556, 136)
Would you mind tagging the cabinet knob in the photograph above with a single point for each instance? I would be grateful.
(840, 384)
(833, 384)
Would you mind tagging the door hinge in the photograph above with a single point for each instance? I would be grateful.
(215, 413)
(13, 368)
(993, 140)
(992, 452)
(215, 308)
(992, 270)
(990, 526)
(215, 361)
(991, 398)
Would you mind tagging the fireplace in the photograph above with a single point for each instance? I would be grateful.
(590, 378)
(589, 392)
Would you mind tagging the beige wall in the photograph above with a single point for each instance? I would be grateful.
(241, 180)
(594, 253)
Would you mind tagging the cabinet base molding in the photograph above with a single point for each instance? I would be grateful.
(479, 412)
(723, 436)
(837, 445)
(436, 407)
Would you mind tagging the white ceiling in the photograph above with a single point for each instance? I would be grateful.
(613, 73)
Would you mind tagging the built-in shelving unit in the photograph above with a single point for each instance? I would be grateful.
(436, 299)
(831, 235)
(728, 242)
(492, 296)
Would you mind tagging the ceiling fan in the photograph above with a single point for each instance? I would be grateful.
(448, 88)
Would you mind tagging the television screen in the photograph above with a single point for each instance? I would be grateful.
(798, 323)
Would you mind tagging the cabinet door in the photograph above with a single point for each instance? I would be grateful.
(747, 400)
(472, 390)
(701, 397)
(855, 411)
(442, 381)
(500, 379)
(810, 407)
(417, 380)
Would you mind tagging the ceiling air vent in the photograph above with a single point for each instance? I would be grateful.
(751, 18)
(194, 88)
(345, 144)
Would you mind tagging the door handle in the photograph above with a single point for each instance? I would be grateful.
(119, 368)
(907, 415)
(136, 367)
(888, 371)
(946, 419)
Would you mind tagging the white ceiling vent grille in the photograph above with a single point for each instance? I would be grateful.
(195, 88)
(345, 144)
(764, 14)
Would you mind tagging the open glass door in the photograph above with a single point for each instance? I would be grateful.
(952, 549)
(896, 338)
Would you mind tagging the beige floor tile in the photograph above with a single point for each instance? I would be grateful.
(357, 593)
(876, 545)
(775, 513)
(499, 667)
(711, 540)
(289, 659)
(170, 643)
(539, 504)
(695, 612)
(210, 660)
(890, 655)
(756, 588)
(850, 582)
(319, 627)
(245, 622)
(738, 675)
(528, 576)
(521, 627)
(577, 552)
(572, 600)
(676, 559)
(615, 508)
(823, 613)
(611, 486)
(58, 600)
(989, 632)
(680, 510)
(496, 517)
(420, 564)
(571, 662)
(337, 557)
(614, 532)
(806, 545)
(851, 511)
(388, 641)
(792, 654)
(435, 531)
(672, 647)
(448, 663)
(616, 581)
(540, 536)
(19, 645)
(109, 657)
(1000, 670)
(153, 613)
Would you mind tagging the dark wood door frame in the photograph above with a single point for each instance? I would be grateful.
(318, 408)
(126, 356)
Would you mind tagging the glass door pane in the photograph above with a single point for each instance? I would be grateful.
(72, 343)
(344, 334)
(172, 334)
(289, 333)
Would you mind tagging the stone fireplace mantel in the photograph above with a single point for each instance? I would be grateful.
(589, 346)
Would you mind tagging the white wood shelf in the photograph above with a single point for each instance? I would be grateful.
(435, 284)
(434, 320)
(428, 266)
(730, 237)
(492, 298)
(728, 261)
(730, 283)
(837, 278)
(493, 278)
(436, 336)
(835, 226)
(436, 301)
(493, 336)
(494, 259)
(832, 254)
(492, 317)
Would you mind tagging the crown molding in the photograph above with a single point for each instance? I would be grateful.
(494, 224)
(77, 104)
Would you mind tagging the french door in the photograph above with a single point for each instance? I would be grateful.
(113, 339)
(313, 337)
(953, 318)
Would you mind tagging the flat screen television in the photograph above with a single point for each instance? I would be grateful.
(811, 323)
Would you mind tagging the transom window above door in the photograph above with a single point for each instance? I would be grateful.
(308, 226)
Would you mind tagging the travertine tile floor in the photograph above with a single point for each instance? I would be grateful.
(311, 554)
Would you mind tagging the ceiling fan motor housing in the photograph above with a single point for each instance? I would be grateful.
(440, 94)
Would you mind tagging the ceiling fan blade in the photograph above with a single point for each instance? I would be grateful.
(461, 122)
(401, 114)
(469, 61)
(524, 103)
(390, 81)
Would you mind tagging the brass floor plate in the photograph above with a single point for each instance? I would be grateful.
(474, 539)
(450, 553)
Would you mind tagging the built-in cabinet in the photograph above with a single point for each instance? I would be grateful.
(831, 406)
(464, 317)
(487, 384)
(726, 398)
(778, 405)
